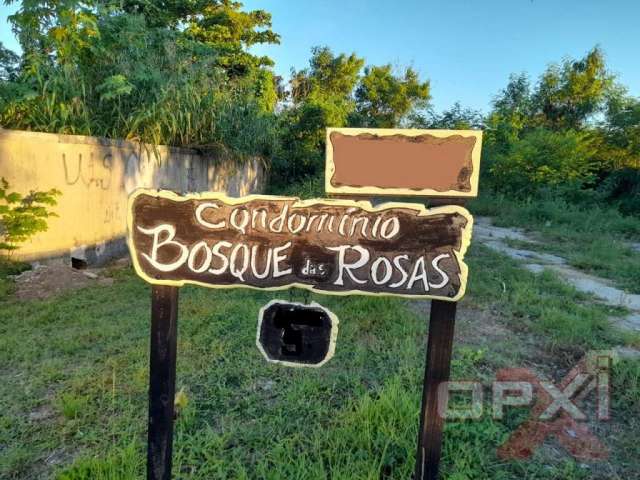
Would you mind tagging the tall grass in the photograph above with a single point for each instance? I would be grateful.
(140, 83)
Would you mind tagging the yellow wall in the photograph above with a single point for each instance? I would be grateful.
(95, 177)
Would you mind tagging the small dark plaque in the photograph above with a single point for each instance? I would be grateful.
(295, 334)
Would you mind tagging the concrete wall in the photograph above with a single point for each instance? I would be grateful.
(95, 177)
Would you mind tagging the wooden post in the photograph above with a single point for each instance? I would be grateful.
(162, 380)
(440, 340)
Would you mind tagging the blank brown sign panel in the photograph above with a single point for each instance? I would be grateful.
(433, 163)
(330, 246)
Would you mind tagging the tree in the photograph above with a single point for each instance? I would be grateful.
(332, 93)
(330, 79)
(61, 30)
(455, 118)
(621, 130)
(511, 114)
(619, 151)
(515, 98)
(231, 32)
(329, 74)
(321, 96)
(568, 94)
(9, 64)
(385, 100)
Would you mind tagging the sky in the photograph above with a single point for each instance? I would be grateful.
(466, 48)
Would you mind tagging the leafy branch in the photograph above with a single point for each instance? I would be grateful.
(22, 216)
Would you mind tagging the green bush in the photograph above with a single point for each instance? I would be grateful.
(545, 158)
(622, 188)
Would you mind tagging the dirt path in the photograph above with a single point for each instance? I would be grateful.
(497, 238)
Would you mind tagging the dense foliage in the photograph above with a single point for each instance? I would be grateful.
(575, 134)
(176, 73)
(181, 73)
(335, 91)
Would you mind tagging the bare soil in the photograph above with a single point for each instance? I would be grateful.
(46, 281)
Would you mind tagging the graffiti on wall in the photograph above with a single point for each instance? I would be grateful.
(88, 172)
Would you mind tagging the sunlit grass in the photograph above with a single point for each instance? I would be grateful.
(73, 397)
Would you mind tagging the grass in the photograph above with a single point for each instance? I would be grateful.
(566, 319)
(8, 268)
(75, 370)
(596, 239)
(74, 384)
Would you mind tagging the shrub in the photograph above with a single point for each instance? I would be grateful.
(622, 187)
(22, 216)
(545, 158)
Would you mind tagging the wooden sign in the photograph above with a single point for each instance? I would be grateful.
(379, 161)
(329, 246)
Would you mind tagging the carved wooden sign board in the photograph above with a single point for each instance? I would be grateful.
(330, 246)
